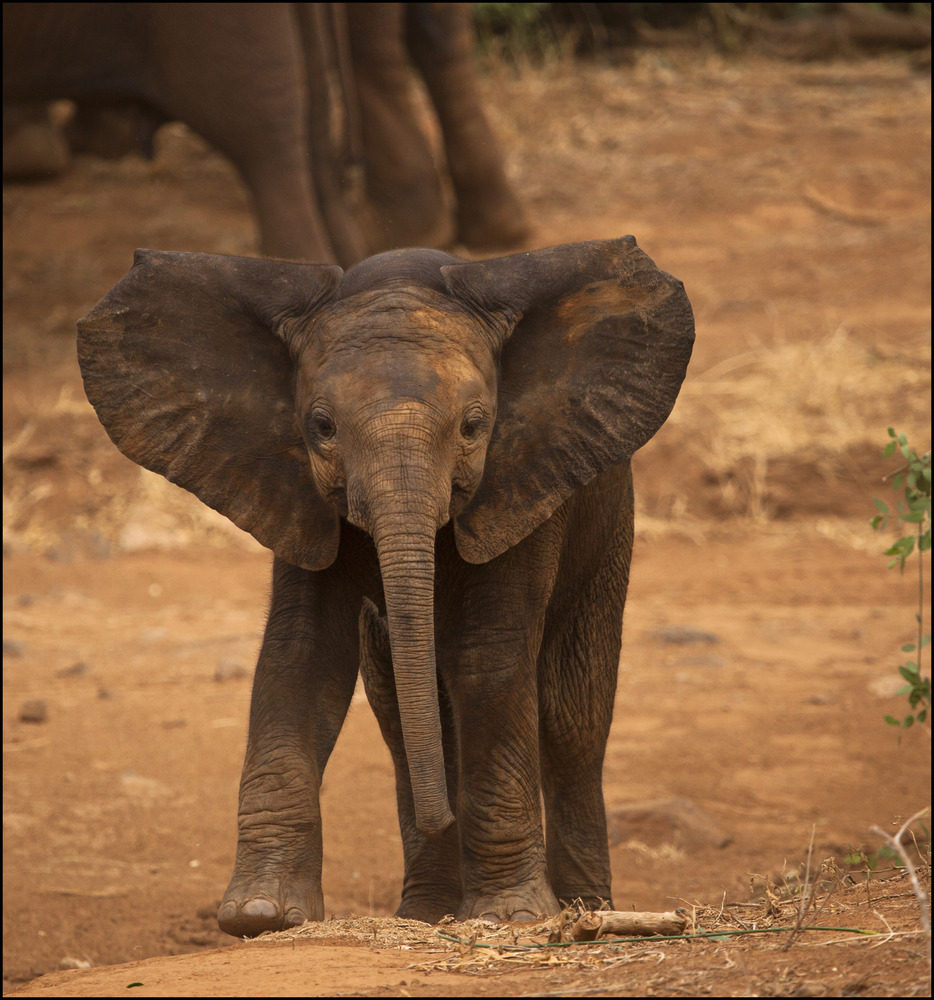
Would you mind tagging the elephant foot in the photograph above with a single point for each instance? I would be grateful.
(586, 901)
(428, 913)
(526, 903)
(251, 906)
(431, 908)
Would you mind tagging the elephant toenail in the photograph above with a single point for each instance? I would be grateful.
(262, 908)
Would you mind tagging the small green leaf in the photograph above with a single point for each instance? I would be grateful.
(912, 480)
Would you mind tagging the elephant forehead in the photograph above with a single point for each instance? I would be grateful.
(419, 316)
(384, 370)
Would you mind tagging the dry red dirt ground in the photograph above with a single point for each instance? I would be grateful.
(763, 629)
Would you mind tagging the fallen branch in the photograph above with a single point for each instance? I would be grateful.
(596, 924)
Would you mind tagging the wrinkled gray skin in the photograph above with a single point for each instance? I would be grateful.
(437, 451)
(262, 82)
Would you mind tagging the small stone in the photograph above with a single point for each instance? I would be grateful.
(34, 710)
(682, 635)
(78, 669)
(676, 821)
(75, 963)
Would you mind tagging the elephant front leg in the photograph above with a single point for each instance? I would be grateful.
(492, 618)
(301, 693)
(503, 859)
(431, 886)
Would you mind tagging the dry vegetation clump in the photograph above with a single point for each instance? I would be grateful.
(794, 405)
(828, 909)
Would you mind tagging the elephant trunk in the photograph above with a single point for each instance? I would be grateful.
(405, 545)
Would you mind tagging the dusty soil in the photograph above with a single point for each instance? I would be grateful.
(763, 629)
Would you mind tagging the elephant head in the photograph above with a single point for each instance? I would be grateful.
(413, 390)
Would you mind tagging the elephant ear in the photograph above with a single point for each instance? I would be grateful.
(590, 372)
(182, 362)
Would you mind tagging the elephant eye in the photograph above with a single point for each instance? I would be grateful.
(322, 426)
(472, 423)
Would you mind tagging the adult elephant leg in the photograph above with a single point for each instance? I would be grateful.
(441, 43)
(303, 685)
(237, 77)
(489, 629)
(578, 667)
(332, 95)
(403, 187)
(431, 885)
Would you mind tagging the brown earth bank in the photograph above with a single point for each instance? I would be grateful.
(748, 760)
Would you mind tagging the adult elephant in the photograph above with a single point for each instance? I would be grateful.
(270, 86)
(437, 451)
(246, 77)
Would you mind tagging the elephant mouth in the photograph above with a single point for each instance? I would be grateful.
(336, 496)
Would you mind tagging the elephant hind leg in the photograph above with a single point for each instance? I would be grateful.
(441, 43)
(432, 881)
(406, 201)
(578, 665)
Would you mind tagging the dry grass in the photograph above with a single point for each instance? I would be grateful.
(842, 908)
(808, 402)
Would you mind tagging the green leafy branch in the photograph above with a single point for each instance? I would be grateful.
(913, 480)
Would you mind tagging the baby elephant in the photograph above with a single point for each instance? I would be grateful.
(437, 452)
